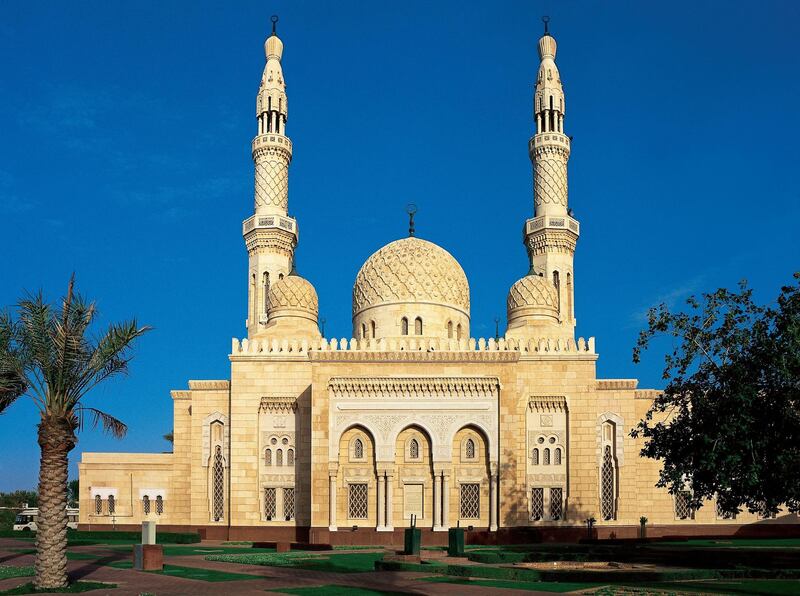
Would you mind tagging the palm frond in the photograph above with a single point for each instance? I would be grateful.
(111, 425)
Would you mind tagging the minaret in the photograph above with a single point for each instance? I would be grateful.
(551, 235)
(270, 235)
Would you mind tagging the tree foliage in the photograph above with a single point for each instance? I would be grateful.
(727, 425)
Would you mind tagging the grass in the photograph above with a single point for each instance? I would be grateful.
(512, 585)
(7, 571)
(334, 590)
(735, 543)
(196, 573)
(337, 563)
(73, 588)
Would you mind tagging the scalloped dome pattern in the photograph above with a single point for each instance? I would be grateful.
(411, 270)
(532, 290)
(293, 292)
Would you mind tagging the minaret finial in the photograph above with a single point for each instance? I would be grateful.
(545, 20)
(274, 19)
(411, 209)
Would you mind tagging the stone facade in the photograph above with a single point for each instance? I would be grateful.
(344, 440)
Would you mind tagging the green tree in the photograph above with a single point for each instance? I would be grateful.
(49, 351)
(727, 425)
(73, 492)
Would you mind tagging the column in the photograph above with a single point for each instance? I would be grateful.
(437, 502)
(493, 503)
(389, 509)
(381, 503)
(332, 503)
(445, 502)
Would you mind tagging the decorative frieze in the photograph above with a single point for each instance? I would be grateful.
(414, 387)
(278, 404)
(616, 384)
(547, 403)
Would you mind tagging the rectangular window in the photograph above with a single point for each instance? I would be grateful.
(722, 514)
(412, 501)
(288, 503)
(683, 509)
(556, 503)
(269, 503)
(537, 504)
(357, 501)
(470, 501)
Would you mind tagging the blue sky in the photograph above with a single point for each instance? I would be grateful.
(126, 129)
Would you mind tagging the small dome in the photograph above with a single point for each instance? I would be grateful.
(292, 296)
(273, 47)
(411, 270)
(547, 46)
(532, 297)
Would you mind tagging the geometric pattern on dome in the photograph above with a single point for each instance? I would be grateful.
(293, 292)
(532, 290)
(411, 270)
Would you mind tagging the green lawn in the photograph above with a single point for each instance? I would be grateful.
(7, 571)
(735, 543)
(337, 563)
(196, 573)
(512, 585)
(334, 590)
(72, 589)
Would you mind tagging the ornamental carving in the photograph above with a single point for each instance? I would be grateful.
(414, 387)
(547, 403)
(283, 403)
(411, 270)
(293, 292)
(552, 241)
(532, 290)
(550, 176)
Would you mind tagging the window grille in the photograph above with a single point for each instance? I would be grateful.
(146, 505)
(537, 503)
(288, 503)
(413, 449)
(556, 503)
(290, 457)
(218, 493)
(557, 456)
(358, 449)
(607, 489)
(279, 457)
(98, 504)
(268, 457)
(112, 506)
(469, 449)
(159, 505)
(357, 502)
(683, 508)
(723, 514)
(470, 501)
(535, 457)
(547, 456)
(269, 503)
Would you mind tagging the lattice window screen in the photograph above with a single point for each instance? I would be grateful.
(413, 449)
(536, 457)
(98, 504)
(357, 501)
(358, 449)
(218, 487)
(556, 503)
(288, 503)
(290, 457)
(607, 488)
(269, 503)
(470, 501)
(112, 505)
(723, 514)
(469, 449)
(557, 456)
(268, 457)
(159, 505)
(537, 503)
(546, 456)
(683, 509)
(146, 505)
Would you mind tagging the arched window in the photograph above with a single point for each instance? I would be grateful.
(254, 306)
(418, 326)
(280, 275)
(279, 457)
(363, 331)
(290, 457)
(469, 449)
(536, 457)
(218, 478)
(358, 449)
(98, 504)
(146, 505)
(404, 326)
(449, 329)
(266, 291)
(458, 332)
(112, 504)
(557, 284)
(569, 296)
(546, 456)
(268, 457)
(372, 329)
(607, 488)
(557, 456)
(413, 449)
(159, 505)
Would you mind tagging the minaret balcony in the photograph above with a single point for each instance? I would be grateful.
(265, 222)
(549, 138)
(272, 140)
(552, 222)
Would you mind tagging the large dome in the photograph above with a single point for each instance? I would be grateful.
(411, 287)
(411, 270)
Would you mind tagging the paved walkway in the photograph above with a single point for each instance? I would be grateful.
(269, 578)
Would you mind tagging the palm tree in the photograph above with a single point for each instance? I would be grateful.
(47, 355)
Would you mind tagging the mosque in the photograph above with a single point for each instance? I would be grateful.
(344, 440)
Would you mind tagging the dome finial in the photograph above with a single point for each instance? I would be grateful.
(274, 19)
(411, 209)
(546, 20)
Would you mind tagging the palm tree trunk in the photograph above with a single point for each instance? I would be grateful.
(56, 440)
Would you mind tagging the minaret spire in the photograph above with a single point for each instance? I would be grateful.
(551, 235)
(270, 234)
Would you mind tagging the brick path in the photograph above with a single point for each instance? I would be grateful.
(130, 582)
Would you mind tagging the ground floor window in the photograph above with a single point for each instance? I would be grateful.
(112, 505)
(470, 501)
(288, 503)
(98, 504)
(357, 501)
(159, 505)
(537, 504)
(146, 505)
(556, 503)
(683, 507)
(269, 503)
